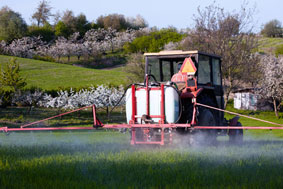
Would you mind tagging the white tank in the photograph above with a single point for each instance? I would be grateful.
(171, 104)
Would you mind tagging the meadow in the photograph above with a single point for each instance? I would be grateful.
(105, 159)
(55, 76)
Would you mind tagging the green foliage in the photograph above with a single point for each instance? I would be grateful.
(10, 77)
(279, 50)
(46, 32)
(10, 82)
(12, 25)
(272, 29)
(62, 30)
(44, 58)
(153, 42)
(81, 24)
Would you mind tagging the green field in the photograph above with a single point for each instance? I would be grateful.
(104, 159)
(268, 45)
(52, 76)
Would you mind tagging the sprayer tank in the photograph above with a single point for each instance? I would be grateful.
(171, 104)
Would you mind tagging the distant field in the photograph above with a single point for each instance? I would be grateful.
(269, 44)
(51, 76)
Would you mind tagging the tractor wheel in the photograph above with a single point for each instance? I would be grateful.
(139, 134)
(236, 135)
(206, 118)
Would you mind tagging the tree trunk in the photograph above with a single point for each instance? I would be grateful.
(107, 112)
(79, 57)
(275, 108)
(68, 58)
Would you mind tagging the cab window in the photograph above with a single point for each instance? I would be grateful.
(216, 71)
(204, 70)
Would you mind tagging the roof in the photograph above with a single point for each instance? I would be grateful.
(178, 52)
(175, 52)
(245, 90)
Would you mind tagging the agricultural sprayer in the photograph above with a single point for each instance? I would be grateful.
(182, 93)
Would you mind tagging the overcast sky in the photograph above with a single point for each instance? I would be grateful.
(160, 13)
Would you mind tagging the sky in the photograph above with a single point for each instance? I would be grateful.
(159, 13)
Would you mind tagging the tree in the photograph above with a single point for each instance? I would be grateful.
(62, 30)
(12, 25)
(10, 77)
(24, 47)
(272, 81)
(135, 67)
(228, 35)
(272, 28)
(42, 14)
(69, 20)
(114, 21)
(46, 32)
(81, 24)
(153, 42)
(136, 23)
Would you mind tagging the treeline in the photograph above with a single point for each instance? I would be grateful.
(13, 26)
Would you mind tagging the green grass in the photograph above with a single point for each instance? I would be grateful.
(52, 76)
(104, 159)
(264, 115)
(267, 44)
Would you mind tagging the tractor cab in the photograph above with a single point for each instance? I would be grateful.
(189, 70)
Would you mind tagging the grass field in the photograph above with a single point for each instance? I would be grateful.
(52, 76)
(104, 159)
(268, 45)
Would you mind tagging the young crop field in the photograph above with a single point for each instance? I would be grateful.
(53, 76)
(105, 159)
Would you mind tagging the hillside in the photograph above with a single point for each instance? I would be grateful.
(267, 44)
(52, 76)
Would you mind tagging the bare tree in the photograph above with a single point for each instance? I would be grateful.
(228, 35)
(135, 67)
(43, 12)
(272, 82)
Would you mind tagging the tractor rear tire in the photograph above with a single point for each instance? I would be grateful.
(206, 118)
(236, 136)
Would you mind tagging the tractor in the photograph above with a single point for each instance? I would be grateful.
(181, 96)
(175, 81)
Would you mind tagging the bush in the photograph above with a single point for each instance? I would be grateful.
(153, 42)
(279, 50)
(5, 97)
(46, 32)
(44, 58)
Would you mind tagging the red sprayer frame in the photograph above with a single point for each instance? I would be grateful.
(133, 125)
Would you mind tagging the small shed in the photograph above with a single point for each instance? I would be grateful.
(246, 99)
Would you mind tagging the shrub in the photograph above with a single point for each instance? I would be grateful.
(279, 50)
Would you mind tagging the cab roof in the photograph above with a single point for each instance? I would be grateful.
(177, 53)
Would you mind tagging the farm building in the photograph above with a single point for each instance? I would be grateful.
(245, 99)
